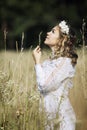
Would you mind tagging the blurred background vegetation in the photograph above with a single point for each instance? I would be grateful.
(31, 17)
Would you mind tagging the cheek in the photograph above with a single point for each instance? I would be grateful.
(54, 41)
(51, 41)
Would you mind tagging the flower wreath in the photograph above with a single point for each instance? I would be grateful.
(64, 27)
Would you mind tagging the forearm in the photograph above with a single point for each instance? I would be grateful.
(40, 75)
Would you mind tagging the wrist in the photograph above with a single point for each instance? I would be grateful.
(37, 62)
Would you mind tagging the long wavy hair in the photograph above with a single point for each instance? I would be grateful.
(65, 46)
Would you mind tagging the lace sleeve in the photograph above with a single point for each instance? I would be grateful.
(58, 74)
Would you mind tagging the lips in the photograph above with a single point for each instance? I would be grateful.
(46, 40)
(47, 37)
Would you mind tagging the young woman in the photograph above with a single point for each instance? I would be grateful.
(54, 76)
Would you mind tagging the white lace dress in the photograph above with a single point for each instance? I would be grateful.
(54, 79)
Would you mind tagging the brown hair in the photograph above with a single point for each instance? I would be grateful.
(65, 46)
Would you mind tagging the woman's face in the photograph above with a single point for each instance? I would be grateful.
(52, 37)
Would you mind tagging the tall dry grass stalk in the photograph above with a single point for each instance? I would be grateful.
(22, 41)
(5, 38)
(17, 46)
(83, 61)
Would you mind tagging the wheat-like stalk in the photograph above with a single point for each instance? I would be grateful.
(40, 38)
(22, 41)
(17, 46)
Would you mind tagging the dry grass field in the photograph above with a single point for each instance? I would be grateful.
(19, 96)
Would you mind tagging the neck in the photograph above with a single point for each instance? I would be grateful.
(52, 51)
(52, 48)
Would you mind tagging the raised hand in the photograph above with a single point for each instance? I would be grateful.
(37, 54)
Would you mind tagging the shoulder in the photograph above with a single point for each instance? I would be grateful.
(69, 67)
(66, 64)
(64, 61)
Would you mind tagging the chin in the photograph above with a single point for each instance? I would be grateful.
(45, 42)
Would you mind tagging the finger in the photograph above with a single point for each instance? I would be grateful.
(38, 51)
(37, 47)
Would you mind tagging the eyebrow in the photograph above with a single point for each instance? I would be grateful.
(53, 29)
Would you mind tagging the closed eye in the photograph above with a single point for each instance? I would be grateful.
(52, 30)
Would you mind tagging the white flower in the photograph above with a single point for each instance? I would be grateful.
(64, 27)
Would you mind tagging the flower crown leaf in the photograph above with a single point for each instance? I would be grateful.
(64, 27)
